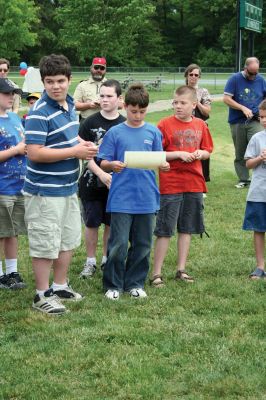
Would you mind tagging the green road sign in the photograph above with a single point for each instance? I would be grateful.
(251, 15)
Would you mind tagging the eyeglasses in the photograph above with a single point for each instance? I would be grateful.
(196, 75)
(99, 67)
(3, 70)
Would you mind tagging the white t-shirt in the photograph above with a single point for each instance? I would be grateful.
(257, 189)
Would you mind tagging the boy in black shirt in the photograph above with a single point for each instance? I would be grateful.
(94, 182)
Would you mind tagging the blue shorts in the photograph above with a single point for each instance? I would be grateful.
(255, 217)
(182, 212)
(94, 213)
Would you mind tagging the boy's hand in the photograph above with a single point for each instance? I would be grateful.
(85, 150)
(164, 167)
(21, 148)
(106, 179)
(263, 155)
(186, 157)
(198, 154)
(118, 166)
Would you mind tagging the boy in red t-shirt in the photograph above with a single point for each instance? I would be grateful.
(187, 141)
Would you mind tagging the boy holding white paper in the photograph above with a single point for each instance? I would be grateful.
(187, 141)
(133, 198)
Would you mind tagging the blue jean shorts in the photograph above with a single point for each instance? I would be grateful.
(255, 217)
(181, 212)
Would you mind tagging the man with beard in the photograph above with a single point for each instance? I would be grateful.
(87, 93)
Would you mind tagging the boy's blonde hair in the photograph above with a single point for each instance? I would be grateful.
(262, 105)
(187, 90)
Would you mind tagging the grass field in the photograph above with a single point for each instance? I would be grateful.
(170, 82)
(198, 341)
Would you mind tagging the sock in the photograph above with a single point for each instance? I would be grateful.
(104, 259)
(91, 260)
(40, 292)
(11, 265)
(1, 268)
(57, 286)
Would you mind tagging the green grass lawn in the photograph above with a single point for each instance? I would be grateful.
(186, 341)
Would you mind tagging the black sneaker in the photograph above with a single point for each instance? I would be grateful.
(3, 282)
(14, 281)
(49, 303)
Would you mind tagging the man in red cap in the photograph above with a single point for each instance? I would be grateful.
(87, 92)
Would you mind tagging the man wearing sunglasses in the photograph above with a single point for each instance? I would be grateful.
(243, 93)
(87, 93)
(4, 70)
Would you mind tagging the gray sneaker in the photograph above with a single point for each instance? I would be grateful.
(68, 294)
(88, 271)
(49, 303)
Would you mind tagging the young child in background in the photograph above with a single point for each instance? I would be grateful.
(31, 99)
(133, 198)
(94, 182)
(187, 141)
(12, 174)
(255, 215)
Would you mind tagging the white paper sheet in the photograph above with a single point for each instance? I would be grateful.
(144, 159)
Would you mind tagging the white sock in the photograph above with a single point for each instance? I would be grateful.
(11, 265)
(40, 292)
(104, 259)
(57, 286)
(91, 260)
(1, 268)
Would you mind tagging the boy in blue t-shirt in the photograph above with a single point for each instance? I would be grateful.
(52, 210)
(133, 198)
(12, 174)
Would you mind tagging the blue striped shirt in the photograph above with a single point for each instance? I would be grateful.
(50, 125)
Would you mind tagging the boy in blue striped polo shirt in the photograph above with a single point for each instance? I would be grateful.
(52, 211)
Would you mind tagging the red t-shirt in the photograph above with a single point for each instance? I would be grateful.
(184, 136)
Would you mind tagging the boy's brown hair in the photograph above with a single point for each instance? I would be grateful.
(187, 90)
(262, 105)
(55, 64)
(137, 95)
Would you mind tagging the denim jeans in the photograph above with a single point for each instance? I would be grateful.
(127, 268)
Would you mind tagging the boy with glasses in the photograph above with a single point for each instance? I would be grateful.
(4, 70)
(12, 174)
(87, 93)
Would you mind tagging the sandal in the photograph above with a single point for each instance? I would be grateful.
(157, 281)
(258, 274)
(183, 276)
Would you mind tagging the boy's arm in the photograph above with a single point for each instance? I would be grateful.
(19, 149)
(180, 155)
(42, 154)
(109, 166)
(252, 163)
(103, 176)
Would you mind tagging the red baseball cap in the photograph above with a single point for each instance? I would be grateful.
(99, 61)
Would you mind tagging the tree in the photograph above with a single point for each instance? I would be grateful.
(16, 20)
(103, 27)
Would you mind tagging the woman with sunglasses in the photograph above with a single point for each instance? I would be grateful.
(202, 111)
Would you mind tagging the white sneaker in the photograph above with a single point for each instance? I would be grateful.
(88, 271)
(68, 294)
(112, 294)
(49, 303)
(137, 293)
